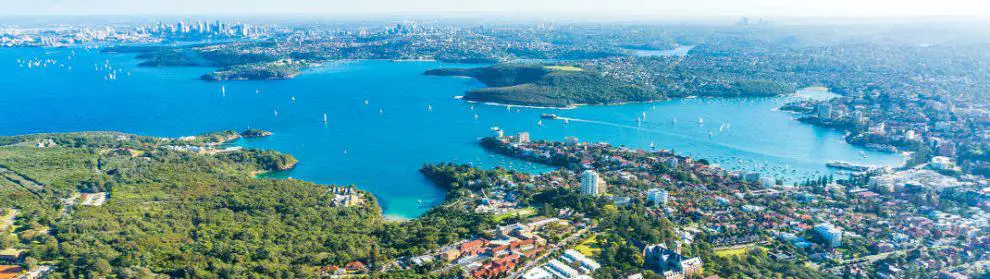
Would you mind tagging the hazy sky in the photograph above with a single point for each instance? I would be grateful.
(582, 7)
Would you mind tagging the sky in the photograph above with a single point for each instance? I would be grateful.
(590, 8)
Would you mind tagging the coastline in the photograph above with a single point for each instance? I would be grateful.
(569, 107)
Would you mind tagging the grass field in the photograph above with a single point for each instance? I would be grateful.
(522, 212)
(588, 247)
(735, 250)
(565, 68)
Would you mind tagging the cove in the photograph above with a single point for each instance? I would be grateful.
(386, 119)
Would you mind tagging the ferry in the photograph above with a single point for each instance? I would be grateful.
(847, 166)
(549, 116)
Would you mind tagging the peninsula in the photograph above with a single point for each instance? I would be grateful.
(547, 86)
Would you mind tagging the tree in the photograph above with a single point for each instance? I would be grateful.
(102, 267)
(30, 263)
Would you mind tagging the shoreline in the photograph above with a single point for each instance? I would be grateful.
(569, 107)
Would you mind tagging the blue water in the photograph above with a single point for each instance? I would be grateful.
(380, 146)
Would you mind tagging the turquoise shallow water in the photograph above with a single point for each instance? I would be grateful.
(379, 146)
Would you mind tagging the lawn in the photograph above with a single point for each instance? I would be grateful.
(588, 247)
(521, 212)
(734, 250)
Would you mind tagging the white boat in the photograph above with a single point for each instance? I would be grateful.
(223, 90)
(276, 112)
(701, 120)
(293, 99)
(366, 102)
(429, 108)
(324, 118)
(539, 123)
(565, 121)
(476, 116)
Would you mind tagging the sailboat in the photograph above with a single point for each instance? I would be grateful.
(366, 102)
(475, 116)
(539, 123)
(223, 90)
(256, 91)
(429, 107)
(293, 98)
(324, 118)
(276, 112)
(472, 107)
(565, 121)
(701, 120)
(653, 145)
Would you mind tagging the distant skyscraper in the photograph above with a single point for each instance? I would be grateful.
(592, 183)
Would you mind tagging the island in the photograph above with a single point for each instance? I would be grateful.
(255, 133)
(538, 85)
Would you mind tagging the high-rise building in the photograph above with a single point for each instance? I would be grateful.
(824, 111)
(592, 183)
(830, 234)
(657, 196)
(523, 137)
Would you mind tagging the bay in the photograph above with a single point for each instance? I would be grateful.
(386, 119)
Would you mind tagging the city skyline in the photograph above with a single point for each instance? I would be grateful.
(551, 8)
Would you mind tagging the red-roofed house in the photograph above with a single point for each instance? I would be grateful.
(474, 247)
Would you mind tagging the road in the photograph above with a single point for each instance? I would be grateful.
(867, 259)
